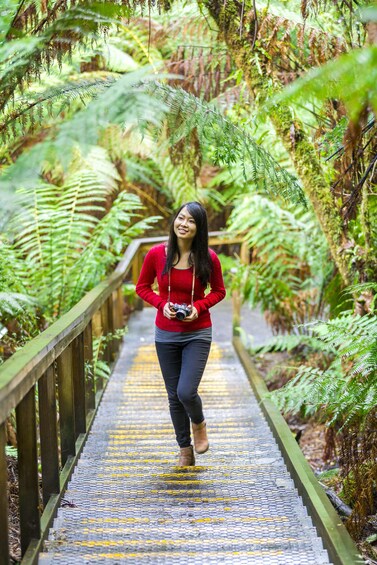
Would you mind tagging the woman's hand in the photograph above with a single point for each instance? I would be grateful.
(168, 312)
(193, 316)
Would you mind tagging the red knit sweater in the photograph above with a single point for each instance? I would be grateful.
(181, 284)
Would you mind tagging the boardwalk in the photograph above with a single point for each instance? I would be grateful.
(128, 503)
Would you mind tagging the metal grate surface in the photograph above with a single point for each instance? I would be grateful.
(129, 503)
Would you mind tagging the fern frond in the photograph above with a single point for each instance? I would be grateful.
(52, 37)
(291, 342)
(228, 141)
(54, 225)
(125, 103)
(346, 391)
(22, 114)
(13, 303)
(175, 184)
(107, 242)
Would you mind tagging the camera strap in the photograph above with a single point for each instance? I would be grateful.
(192, 287)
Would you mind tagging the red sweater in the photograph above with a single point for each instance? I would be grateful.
(181, 284)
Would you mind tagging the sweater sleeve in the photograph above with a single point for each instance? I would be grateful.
(147, 277)
(217, 292)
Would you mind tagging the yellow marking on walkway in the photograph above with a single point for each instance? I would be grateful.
(180, 480)
(115, 520)
(181, 542)
(156, 528)
(143, 555)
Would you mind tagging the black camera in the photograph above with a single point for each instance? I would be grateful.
(181, 310)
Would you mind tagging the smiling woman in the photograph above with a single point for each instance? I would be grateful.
(184, 268)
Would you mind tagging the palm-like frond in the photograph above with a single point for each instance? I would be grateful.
(174, 183)
(32, 111)
(125, 102)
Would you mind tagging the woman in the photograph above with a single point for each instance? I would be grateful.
(184, 268)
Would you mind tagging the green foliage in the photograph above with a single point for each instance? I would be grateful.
(100, 369)
(14, 299)
(290, 261)
(290, 343)
(68, 239)
(345, 392)
(340, 79)
(24, 47)
(228, 143)
(123, 101)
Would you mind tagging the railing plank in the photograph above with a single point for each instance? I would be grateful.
(88, 358)
(4, 528)
(66, 405)
(28, 470)
(48, 434)
(78, 371)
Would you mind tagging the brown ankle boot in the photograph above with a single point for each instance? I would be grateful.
(186, 457)
(200, 437)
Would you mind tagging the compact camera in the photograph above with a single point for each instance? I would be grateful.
(181, 310)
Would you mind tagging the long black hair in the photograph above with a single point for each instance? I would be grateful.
(199, 255)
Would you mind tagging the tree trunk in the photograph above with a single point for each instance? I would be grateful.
(291, 132)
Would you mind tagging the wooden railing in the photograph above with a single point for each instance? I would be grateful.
(51, 431)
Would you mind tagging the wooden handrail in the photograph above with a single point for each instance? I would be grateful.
(57, 357)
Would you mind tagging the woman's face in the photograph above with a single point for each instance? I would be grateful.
(184, 225)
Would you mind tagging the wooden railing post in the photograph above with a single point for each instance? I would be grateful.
(78, 371)
(48, 434)
(88, 358)
(116, 305)
(110, 327)
(4, 528)
(28, 470)
(136, 268)
(105, 329)
(66, 404)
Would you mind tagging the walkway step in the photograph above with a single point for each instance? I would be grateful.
(127, 502)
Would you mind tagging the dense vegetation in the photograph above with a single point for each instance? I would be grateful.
(112, 113)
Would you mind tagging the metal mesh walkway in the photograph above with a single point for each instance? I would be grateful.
(132, 505)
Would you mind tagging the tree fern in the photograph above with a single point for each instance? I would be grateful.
(131, 101)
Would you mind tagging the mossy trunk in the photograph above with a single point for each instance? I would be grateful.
(290, 131)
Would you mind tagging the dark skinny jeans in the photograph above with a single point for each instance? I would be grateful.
(182, 366)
